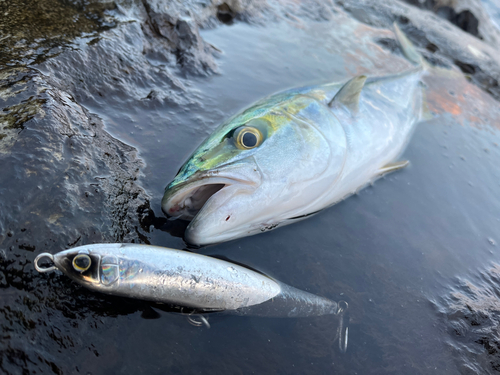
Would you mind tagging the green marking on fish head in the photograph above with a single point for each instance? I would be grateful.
(236, 139)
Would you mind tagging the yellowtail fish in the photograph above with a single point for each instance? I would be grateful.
(295, 153)
(186, 279)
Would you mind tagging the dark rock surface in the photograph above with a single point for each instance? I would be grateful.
(65, 181)
(34, 30)
(479, 60)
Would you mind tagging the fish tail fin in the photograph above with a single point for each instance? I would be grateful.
(416, 58)
(409, 49)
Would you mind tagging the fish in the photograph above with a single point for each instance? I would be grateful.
(181, 278)
(295, 153)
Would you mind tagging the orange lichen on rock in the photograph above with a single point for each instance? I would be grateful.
(450, 92)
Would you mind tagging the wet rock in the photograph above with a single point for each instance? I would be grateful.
(225, 14)
(465, 20)
(449, 42)
(47, 28)
(471, 316)
(148, 56)
(65, 181)
(63, 171)
(472, 16)
(181, 35)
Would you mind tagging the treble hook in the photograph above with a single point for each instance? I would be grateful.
(44, 269)
(194, 322)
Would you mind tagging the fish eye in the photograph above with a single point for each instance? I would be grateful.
(248, 137)
(81, 262)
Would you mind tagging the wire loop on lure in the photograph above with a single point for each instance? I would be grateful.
(44, 269)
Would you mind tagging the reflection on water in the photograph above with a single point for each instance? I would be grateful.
(415, 255)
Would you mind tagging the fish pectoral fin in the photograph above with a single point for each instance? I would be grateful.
(391, 167)
(348, 95)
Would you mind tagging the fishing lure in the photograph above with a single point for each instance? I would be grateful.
(181, 278)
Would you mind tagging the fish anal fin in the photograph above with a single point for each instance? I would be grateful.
(391, 167)
(348, 95)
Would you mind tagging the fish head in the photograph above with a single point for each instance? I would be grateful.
(256, 170)
(89, 265)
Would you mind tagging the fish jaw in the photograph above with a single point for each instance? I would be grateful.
(183, 201)
(222, 218)
(235, 212)
(187, 198)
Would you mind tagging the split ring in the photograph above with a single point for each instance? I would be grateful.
(44, 269)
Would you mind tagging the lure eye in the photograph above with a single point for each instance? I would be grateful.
(248, 137)
(81, 262)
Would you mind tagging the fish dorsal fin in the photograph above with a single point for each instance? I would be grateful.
(348, 95)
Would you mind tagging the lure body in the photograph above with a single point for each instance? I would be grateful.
(185, 279)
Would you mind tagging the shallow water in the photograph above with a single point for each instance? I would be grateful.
(415, 255)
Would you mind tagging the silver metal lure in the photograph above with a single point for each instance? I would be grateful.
(182, 278)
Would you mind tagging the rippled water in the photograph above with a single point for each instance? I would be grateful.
(416, 255)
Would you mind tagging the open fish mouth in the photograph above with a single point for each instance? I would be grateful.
(186, 200)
